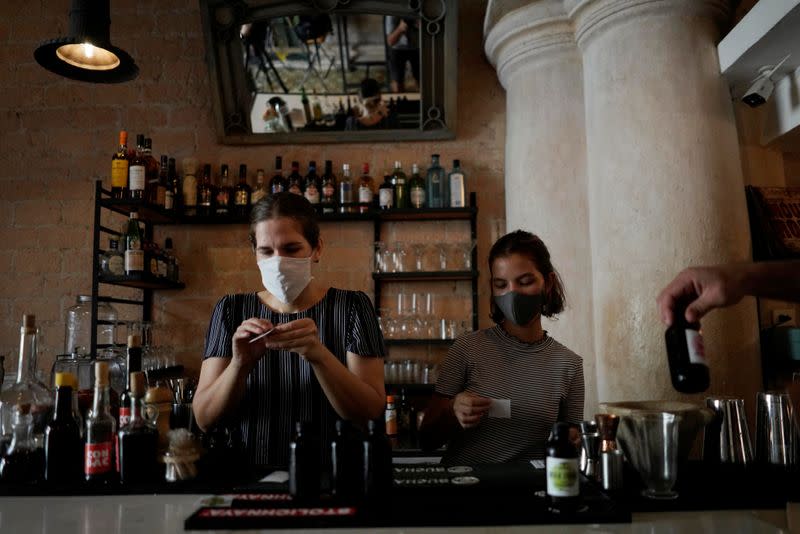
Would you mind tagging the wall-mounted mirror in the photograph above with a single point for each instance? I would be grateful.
(332, 71)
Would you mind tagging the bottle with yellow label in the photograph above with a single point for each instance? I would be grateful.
(563, 479)
(119, 168)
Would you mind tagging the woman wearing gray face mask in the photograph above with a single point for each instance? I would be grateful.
(501, 389)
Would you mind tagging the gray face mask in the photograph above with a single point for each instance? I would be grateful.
(519, 308)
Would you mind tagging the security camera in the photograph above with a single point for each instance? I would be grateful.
(761, 88)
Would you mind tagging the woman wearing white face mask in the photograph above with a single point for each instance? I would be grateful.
(501, 389)
(323, 359)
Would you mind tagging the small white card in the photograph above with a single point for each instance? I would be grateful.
(276, 476)
(500, 408)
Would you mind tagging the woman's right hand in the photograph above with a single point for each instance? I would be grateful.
(469, 408)
(246, 354)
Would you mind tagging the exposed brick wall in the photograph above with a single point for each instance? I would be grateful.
(58, 135)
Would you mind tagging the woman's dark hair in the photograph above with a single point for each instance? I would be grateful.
(289, 205)
(533, 248)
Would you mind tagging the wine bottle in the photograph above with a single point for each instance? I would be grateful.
(688, 367)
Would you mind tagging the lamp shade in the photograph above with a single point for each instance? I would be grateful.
(87, 53)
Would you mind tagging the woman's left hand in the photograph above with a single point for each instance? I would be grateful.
(300, 336)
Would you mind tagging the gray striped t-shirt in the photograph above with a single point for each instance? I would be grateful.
(543, 381)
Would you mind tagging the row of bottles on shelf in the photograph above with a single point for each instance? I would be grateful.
(138, 176)
(139, 256)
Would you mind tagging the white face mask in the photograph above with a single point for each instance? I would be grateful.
(285, 277)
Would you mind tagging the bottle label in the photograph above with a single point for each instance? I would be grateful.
(116, 265)
(386, 197)
(134, 260)
(391, 422)
(697, 351)
(190, 192)
(97, 458)
(456, 190)
(169, 199)
(365, 194)
(124, 416)
(295, 189)
(119, 173)
(136, 178)
(328, 191)
(154, 266)
(417, 195)
(277, 188)
(312, 194)
(562, 477)
(345, 192)
(242, 198)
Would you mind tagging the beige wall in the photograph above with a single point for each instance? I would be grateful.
(57, 136)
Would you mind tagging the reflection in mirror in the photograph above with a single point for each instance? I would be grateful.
(333, 72)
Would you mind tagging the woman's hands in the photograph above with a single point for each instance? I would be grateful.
(469, 408)
(246, 354)
(300, 336)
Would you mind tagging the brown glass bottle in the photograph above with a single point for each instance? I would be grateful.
(224, 194)
(241, 195)
(311, 185)
(137, 172)
(62, 439)
(150, 172)
(119, 168)
(328, 189)
(295, 179)
(98, 450)
(133, 364)
(366, 189)
(688, 368)
(205, 193)
(278, 183)
(138, 440)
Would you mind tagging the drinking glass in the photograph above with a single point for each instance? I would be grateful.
(443, 249)
(650, 441)
(419, 255)
(380, 257)
(399, 257)
(465, 254)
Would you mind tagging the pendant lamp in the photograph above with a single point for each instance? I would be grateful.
(87, 53)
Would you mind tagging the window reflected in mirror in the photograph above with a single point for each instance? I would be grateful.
(329, 72)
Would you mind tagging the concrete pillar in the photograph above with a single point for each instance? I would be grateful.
(665, 187)
(537, 61)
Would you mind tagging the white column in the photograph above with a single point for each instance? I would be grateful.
(538, 63)
(665, 187)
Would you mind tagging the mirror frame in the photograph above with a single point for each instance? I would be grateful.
(233, 101)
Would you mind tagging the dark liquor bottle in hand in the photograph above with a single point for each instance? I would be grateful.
(98, 451)
(686, 355)
(62, 438)
(138, 440)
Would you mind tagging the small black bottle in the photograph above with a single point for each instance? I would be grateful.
(345, 461)
(138, 440)
(304, 464)
(686, 355)
(63, 449)
(563, 479)
(376, 462)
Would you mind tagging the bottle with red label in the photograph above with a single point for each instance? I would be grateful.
(328, 193)
(98, 450)
(133, 364)
(688, 368)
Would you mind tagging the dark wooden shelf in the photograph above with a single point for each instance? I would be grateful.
(140, 282)
(425, 276)
(147, 212)
(427, 214)
(432, 341)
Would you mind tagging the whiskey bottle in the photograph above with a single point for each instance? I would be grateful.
(435, 190)
(295, 179)
(328, 190)
(223, 196)
(457, 186)
(138, 439)
(386, 193)
(137, 173)
(119, 168)
(134, 251)
(163, 183)
(150, 172)
(241, 195)
(399, 183)
(688, 367)
(278, 184)
(62, 438)
(311, 184)
(173, 195)
(98, 465)
(260, 190)
(346, 190)
(190, 186)
(366, 189)
(205, 193)
(416, 188)
(133, 363)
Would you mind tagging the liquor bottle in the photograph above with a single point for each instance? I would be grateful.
(345, 460)
(311, 184)
(71, 380)
(406, 420)
(138, 440)
(457, 186)
(23, 461)
(119, 168)
(366, 189)
(391, 416)
(386, 193)
(137, 172)
(563, 481)
(241, 195)
(98, 452)
(316, 107)
(688, 367)
(399, 183)
(260, 190)
(435, 184)
(224, 195)
(134, 252)
(133, 363)
(112, 261)
(205, 193)
(304, 464)
(278, 184)
(62, 438)
(295, 179)
(189, 188)
(376, 461)
(306, 108)
(150, 172)
(174, 196)
(27, 389)
(346, 190)
(172, 261)
(416, 188)
(163, 182)
(328, 189)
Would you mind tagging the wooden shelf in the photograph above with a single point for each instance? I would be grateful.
(434, 341)
(140, 282)
(147, 212)
(425, 276)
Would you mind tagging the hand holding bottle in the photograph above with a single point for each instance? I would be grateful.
(470, 408)
(703, 288)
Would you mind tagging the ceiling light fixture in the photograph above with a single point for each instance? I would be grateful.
(87, 54)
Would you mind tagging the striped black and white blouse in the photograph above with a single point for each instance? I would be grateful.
(543, 382)
(282, 388)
